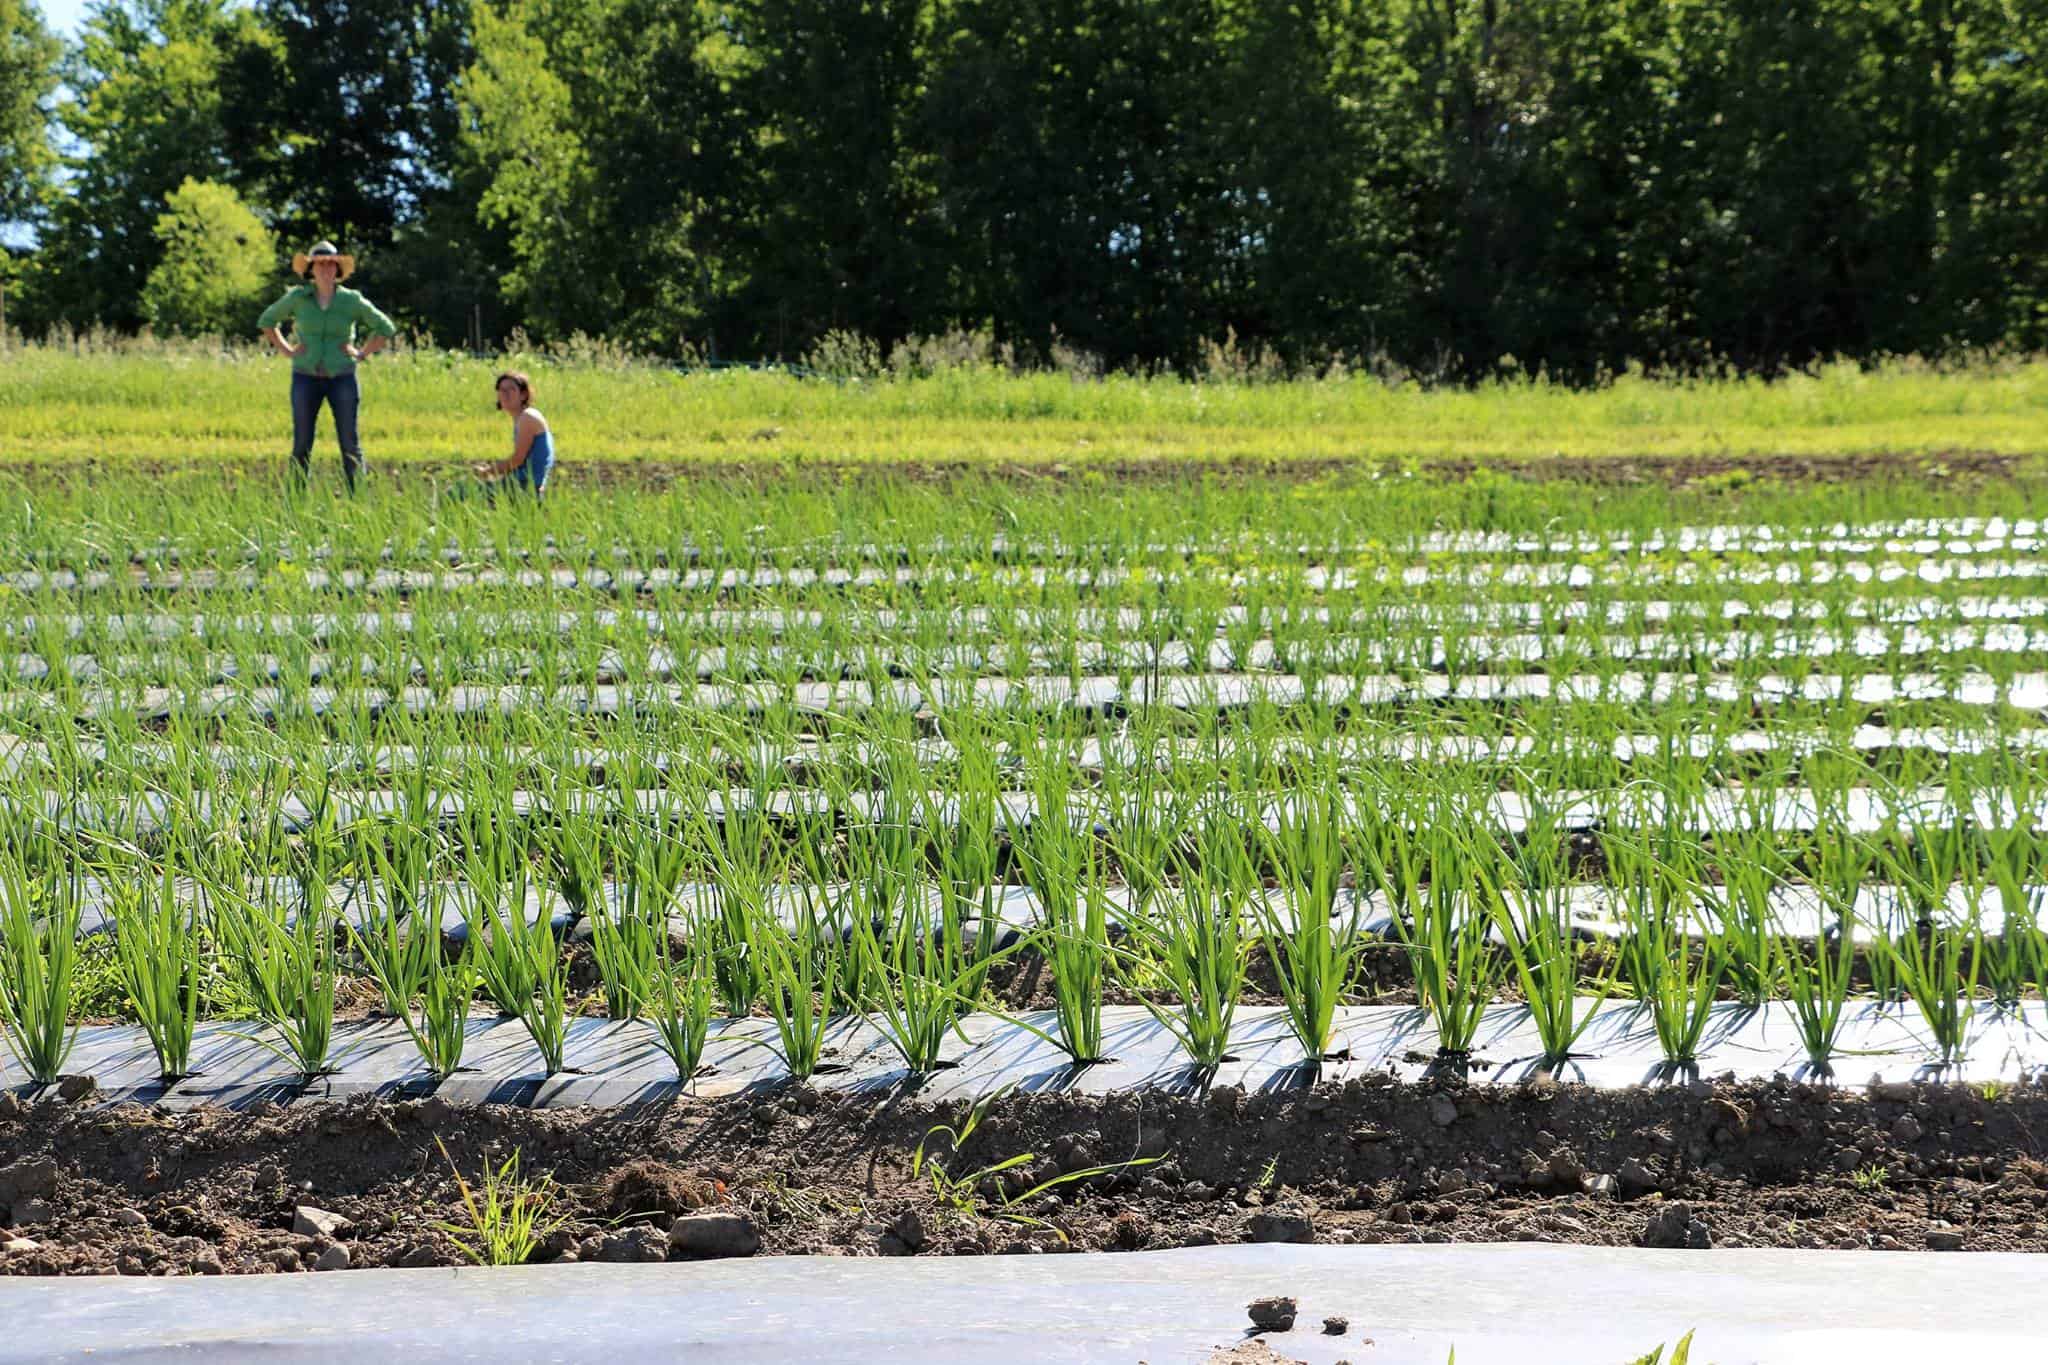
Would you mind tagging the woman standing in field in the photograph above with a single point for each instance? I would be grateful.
(324, 319)
(533, 444)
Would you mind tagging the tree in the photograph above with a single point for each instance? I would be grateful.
(361, 116)
(28, 77)
(150, 108)
(217, 261)
(847, 235)
(616, 152)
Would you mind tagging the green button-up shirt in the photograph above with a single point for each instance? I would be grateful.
(325, 330)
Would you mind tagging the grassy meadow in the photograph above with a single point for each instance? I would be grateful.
(184, 402)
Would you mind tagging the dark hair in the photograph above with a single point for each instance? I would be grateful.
(525, 385)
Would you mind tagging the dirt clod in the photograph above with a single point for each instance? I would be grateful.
(1275, 1313)
(641, 1244)
(654, 1187)
(716, 1233)
(1636, 1178)
(1675, 1227)
(27, 1179)
(1282, 1225)
(909, 1230)
(308, 1221)
(1336, 1325)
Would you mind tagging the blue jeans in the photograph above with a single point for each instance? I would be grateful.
(342, 394)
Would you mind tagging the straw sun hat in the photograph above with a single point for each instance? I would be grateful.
(324, 251)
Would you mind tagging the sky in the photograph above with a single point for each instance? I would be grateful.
(63, 16)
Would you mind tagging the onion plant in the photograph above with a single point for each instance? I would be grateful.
(1671, 959)
(680, 1009)
(1425, 852)
(1530, 900)
(629, 934)
(1936, 962)
(1817, 979)
(2015, 865)
(279, 932)
(156, 946)
(517, 957)
(1065, 867)
(1194, 943)
(396, 931)
(802, 968)
(40, 910)
(1315, 953)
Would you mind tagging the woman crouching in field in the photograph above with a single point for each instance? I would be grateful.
(533, 445)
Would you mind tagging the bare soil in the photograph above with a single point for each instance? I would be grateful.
(86, 1189)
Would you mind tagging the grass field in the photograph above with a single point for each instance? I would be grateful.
(185, 402)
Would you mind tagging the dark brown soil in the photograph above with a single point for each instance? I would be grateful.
(141, 1191)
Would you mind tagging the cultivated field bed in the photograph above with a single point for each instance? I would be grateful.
(1380, 822)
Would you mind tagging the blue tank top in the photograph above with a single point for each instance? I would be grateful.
(540, 459)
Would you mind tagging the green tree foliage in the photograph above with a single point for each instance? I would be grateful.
(28, 77)
(361, 97)
(619, 156)
(149, 109)
(217, 263)
(846, 236)
(1458, 188)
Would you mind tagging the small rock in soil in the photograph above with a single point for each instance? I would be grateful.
(30, 1212)
(1602, 1186)
(1675, 1227)
(1907, 1129)
(1283, 1225)
(1443, 1111)
(1274, 1313)
(641, 1244)
(335, 1257)
(1336, 1325)
(130, 1218)
(1944, 1239)
(715, 1234)
(909, 1230)
(19, 1246)
(285, 1259)
(1636, 1178)
(308, 1221)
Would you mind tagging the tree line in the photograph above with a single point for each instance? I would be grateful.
(1458, 188)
